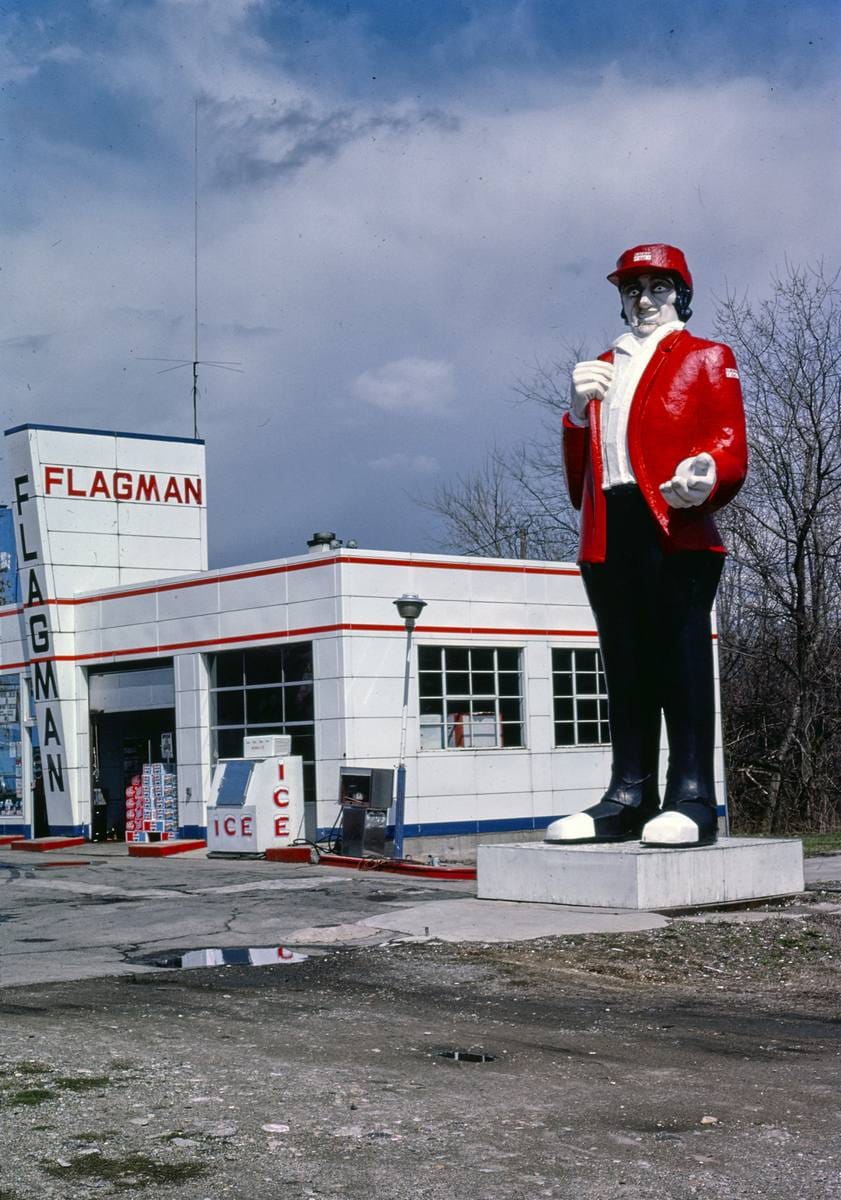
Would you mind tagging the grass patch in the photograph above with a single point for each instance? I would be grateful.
(127, 1173)
(27, 1067)
(80, 1083)
(8, 1194)
(813, 843)
(820, 843)
(28, 1097)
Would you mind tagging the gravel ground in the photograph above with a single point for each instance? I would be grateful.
(696, 1060)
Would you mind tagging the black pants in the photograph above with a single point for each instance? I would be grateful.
(652, 612)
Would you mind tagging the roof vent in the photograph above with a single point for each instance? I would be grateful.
(320, 543)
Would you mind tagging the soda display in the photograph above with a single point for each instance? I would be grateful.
(152, 804)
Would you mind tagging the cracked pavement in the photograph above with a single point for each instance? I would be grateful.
(617, 1065)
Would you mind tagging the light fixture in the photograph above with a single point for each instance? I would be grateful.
(410, 606)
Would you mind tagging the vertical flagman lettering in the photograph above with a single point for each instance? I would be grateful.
(40, 643)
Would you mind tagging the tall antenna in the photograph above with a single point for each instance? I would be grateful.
(195, 362)
(196, 268)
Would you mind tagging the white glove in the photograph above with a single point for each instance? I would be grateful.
(590, 381)
(692, 482)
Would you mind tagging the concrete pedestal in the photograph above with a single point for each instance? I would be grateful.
(628, 875)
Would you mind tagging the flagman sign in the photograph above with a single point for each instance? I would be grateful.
(91, 510)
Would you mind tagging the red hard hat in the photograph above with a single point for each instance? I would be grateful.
(644, 260)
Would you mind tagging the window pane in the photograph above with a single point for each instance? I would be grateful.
(429, 683)
(508, 660)
(563, 709)
(431, 706)
(483, 683)
(229, 743)
(509, 710)
(297, 662)
(299, 702)
(264, 705)
(509, 684)
(458, 683)
(588, 710)
(588, 733)
(483, 730)
(431, 733)
(456, 658)
(561, 660)
(303, 743)
(226, 669)
(512, 735)
(230, 709)
(585, 683)
(264, 665)
(482, 660)
(564, 735)
(429, 658)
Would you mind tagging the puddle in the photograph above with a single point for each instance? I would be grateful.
(466, 1056)
(230, 956)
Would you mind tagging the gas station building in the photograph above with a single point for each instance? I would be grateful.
(122, 651)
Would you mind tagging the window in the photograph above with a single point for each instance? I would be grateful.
(470, 698)
(580, 693)
(11, 758)
(265, 690)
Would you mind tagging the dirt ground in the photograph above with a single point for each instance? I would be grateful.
(697, 1060)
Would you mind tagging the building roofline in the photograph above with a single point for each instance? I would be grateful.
(115, 433)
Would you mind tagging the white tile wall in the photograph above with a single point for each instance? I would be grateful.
(164, 553)
(64, 448)
(175, 458)
(78, 516)
(179, 521)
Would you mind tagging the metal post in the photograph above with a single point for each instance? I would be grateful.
(400, 798)
(410, 608)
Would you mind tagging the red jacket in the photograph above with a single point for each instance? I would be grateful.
(688, 401)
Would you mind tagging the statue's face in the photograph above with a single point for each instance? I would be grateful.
(648, 302)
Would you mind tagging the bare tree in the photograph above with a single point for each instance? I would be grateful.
(515, 505)
(780, 605)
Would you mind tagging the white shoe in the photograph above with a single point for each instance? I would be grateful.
(579, 827)
(672, 828)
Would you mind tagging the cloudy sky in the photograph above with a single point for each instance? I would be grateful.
(404, 206)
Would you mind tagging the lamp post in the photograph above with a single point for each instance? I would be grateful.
(409, 608)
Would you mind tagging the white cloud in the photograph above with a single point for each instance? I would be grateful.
(409, 384)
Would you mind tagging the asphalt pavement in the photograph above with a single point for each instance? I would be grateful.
(419, 1045)
(95, 911)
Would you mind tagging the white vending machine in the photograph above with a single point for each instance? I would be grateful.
(257, 801)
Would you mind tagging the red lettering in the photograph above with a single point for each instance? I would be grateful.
(99, 487)
(147, 487)
(71, 491)
(192, 491)
(281, 827)
(52, 477)
(216, 826)
(172, 492)
(281, 770)
(247, 828)
(281, 797)
(230, 826)
(122, 485)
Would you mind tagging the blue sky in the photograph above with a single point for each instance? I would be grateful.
(404, 207)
